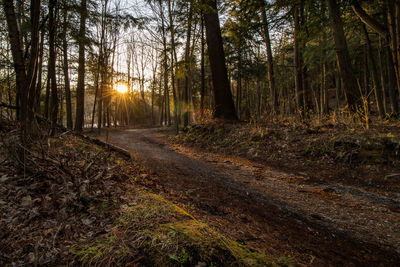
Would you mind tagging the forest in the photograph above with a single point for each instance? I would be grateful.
(181, 63)
(199, 132)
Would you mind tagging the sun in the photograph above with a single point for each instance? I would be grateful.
(121, 88)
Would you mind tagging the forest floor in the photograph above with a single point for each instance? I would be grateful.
(70, 201)
(321, 196)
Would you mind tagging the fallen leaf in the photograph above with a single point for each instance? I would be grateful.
(26, 201)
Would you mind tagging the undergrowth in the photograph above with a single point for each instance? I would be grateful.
(328, 146)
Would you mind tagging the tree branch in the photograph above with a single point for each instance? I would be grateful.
(2, 104)
(369, 21)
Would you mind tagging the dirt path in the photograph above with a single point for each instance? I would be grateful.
(279, 213)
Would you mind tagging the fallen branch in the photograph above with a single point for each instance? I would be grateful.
(106, 145)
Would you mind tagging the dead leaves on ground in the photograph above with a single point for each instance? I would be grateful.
(57, 193)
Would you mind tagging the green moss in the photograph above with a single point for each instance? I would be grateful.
(165, 235)
(88, 145)
(118, 160)
(148, 206)
(94, 254)
(203, 243)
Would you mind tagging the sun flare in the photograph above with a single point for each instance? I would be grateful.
(121, 88)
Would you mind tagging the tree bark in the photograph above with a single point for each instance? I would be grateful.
(298, 62)
(80, 90)
(239, 84)
(349, 82)
(66, 68)
(202, 70)
(173, 55)
(47, 94)
(52, 66)
(18, 60)
(270, 62)
(375, 77)
(394, 32)
(40, 71)
(368, 20)
(187, 103)
(224, 107)
(383, 74)
(165, 66)
(33, 64)
(390, 35)
(397, 49)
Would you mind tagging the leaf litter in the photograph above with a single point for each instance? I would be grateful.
(67, 201)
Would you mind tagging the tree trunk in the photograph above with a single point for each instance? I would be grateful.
(349, 82)
(52, 65)
(224, 107)
(394, 32)
(33, 64)
(298, 62)
(66, 69)
(397, 49)
(391, 79)
(375, 77)
(187, 103)
(383, 75)
(270, 62)
(388, 36)
(80, 90)
(324, 91)
(47, 94)
(239, 84)
(18, 60)
(40, 71)
(165, 67)
(203, 82)
(173, 54)
(100, 68)
(10, 100)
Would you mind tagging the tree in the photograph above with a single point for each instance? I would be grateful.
(349, 82)
(270, 61)
(80, 90)
(52, 66)
(66, 66)
(224, 107)
(374, 71)
(390, 38)
(298, 60)
(187, 93)
(33, 65)
(18, 60)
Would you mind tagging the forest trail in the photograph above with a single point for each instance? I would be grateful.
(280, 213)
